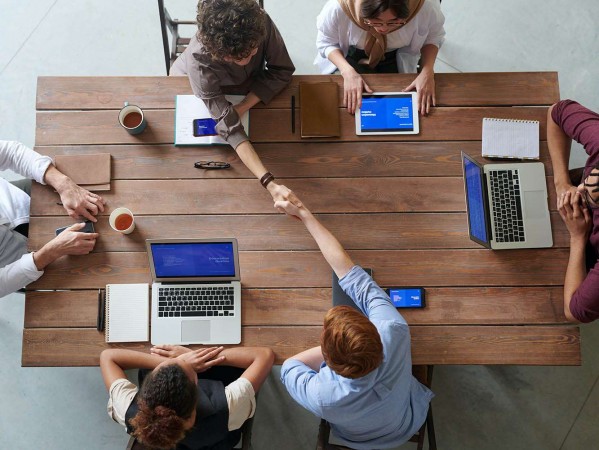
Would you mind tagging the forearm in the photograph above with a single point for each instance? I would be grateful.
(246, 104)
(114, 362)
(56, 179)
(250, 158)
(330, 247)
(337, 58)
(428, 55)
(312, 358)
(46, 255)
(256, 360)
(559, 151)
(575, 272)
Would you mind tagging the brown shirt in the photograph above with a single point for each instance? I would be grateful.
(267, 73)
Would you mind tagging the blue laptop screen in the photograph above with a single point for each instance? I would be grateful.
(476, 204)
(193, 259)
(386, 113)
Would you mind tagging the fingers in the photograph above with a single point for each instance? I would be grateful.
(411, 87)
(358, 99)
(76, 226)
(367, 88)
(85, 211)
(160, 351)
(351, 106)
(214, 362)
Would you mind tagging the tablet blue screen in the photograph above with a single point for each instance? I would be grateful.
(210, 259)
(391, 112)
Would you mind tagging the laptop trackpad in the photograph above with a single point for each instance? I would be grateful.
(536, 204)
(195, 331)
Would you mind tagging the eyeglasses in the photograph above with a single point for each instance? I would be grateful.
(592, 204)
(391, 24)
(212, 165)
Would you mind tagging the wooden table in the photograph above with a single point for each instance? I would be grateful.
(395, 203)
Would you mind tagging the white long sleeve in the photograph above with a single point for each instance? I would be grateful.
(18, 275)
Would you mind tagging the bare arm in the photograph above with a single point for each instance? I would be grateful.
(425, 81)
(312, 358)
(257, 362)
(78, 202)
(330, 247)
(246, 104)
(578, 221)
(353, 83)
(114, 362)
(250, 158)
(559, 151)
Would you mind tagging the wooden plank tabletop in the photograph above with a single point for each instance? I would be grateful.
(395, 203)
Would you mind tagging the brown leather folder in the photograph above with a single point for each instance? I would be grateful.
(319, 111)
(91, 172)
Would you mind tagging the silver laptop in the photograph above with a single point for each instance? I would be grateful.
(196, 291)
(507, 204)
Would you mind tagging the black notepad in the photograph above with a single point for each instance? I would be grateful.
(339, 296)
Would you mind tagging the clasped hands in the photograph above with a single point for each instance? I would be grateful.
(573, 209)
(201, 359)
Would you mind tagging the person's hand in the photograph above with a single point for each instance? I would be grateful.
(70, 242)
(353, 86)
(575, 215)
(169, 351)
(424, 84)
(561, 191)
(203, 358)
(79, 202)
(73, 242)
(281, 192)
(289, 208)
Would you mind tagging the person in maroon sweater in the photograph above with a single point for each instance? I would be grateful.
(578, 204)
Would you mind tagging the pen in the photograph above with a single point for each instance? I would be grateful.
(293, 113)
(101, 310)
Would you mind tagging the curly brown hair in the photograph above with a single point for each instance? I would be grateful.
(167, 399)
(230, 28)
(350, 343)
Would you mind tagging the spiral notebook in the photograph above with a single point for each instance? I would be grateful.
(507, 138)
(127, 312)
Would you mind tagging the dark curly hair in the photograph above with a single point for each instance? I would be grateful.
(167, 399)
(230, 28)
(371, 9)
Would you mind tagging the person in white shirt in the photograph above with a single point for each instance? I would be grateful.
(18, 268)
(194, 398)
(380, 36)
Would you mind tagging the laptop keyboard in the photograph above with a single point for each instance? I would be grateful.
(507, 206)
(195, 301)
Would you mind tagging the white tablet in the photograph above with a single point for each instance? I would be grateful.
(388, 113)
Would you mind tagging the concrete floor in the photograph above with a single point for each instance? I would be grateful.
(476, 407)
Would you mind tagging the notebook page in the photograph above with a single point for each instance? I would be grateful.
(507, 138)
(127, 312)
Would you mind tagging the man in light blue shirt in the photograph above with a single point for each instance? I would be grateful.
(360, 378)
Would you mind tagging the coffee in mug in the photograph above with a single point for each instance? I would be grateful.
(132, 119)
(122, 220)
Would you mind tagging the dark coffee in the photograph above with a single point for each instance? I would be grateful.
(132, 119)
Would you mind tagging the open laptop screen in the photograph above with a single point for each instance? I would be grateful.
(193, 259)
(391, 112)
(475, 201)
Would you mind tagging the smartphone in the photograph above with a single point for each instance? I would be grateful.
(88, 228)
(407, 297)
(204, 127)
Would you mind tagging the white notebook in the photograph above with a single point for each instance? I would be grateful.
(507, 138)
(127, 312)
(189, 108)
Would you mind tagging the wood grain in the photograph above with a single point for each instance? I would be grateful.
(464, 89)
(285, 269)
(524, 345)
(293, 160)
(334, 195)
(102, 127)
(272, 307)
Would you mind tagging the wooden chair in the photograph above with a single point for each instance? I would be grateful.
(424, 374)
(178, 44)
